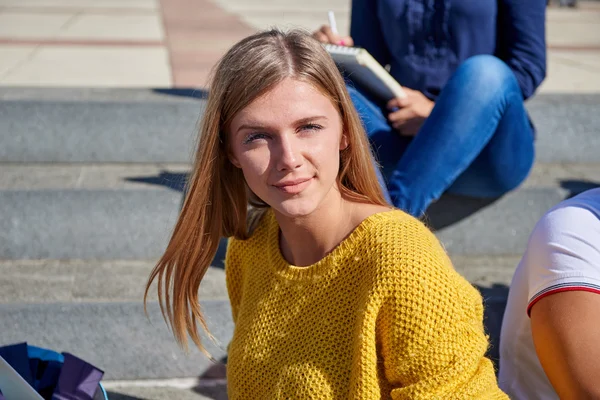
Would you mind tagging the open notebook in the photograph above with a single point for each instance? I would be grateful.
(360, 66)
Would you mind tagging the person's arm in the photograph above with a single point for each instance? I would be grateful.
(521, 30)
(365, 30)
(431, 330)
(564, 259)
(566, 328)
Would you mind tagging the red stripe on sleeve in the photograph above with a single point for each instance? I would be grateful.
(558, 290)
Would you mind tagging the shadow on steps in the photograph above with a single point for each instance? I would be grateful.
(216, 392)
(212, 383)
(574, 187)
(450, 209)
(171, 180)
(194, 93)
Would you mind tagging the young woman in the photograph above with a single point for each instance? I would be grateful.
(333, 293)
(467, 66)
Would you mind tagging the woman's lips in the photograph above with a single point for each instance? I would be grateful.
(294, 186)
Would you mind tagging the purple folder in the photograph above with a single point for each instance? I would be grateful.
(78, 380)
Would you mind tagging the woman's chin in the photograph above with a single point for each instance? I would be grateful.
(295, 208)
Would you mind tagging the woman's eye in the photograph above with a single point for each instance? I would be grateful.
(311, 127)
(254, 136)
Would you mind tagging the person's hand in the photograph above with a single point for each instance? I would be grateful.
(326, 35)
(412, 112)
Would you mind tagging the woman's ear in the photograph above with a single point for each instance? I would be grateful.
(344, 142)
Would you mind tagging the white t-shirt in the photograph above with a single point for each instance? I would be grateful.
(563, 254)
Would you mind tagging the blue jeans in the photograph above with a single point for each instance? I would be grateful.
(477, 142)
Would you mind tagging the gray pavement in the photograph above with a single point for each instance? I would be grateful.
(74, 131)
(202, 391)
(567, 127)
(84, 281)
(473, 227)
(117, 337)
(101, 224)
(17, 176)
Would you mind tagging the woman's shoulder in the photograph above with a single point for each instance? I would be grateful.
(396, 228)
(411, 259)
(400, 238)
(402, 245)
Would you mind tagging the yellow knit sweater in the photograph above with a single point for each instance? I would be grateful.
(384, 315)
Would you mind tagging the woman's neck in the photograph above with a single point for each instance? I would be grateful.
(304, 241)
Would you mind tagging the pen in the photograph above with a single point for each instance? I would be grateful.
(332, 23)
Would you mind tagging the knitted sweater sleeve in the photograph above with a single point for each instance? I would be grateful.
(430, 326)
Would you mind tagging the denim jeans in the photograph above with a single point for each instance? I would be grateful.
(478, 140)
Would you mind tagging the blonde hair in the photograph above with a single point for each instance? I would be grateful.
(217, 199)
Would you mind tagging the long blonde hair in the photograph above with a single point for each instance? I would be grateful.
(217, 199)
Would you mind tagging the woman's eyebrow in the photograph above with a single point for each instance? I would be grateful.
(251, 125)
(309, 119)
(255, 125)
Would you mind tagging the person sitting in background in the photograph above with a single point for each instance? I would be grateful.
(549, 343)
(333, 293)
(467, 66)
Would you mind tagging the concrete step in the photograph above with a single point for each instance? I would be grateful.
(136, 224)
(117, 131)
(180, 389)
(80, 281)
(153, 126)
(86, 224)
(468, 226)
(487, 272)
(99, 94)
(93, 176)
(568, 127)
(117, 336)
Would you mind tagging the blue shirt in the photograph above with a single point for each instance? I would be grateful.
(424, 41)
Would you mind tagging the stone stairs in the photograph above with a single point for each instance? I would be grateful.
(91, 182)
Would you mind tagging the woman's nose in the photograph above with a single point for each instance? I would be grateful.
(289, 156)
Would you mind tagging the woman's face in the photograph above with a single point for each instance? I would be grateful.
(287, 143)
